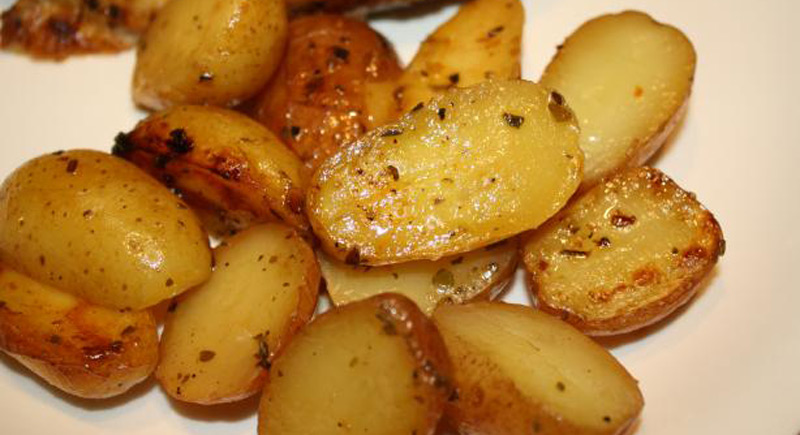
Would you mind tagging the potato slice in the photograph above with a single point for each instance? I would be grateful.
(377, 366)
(628, 78)
(480, 274)
(96, 226)
(219, 340)
(482, 41)
(318, 99)
(79, 348)
(209, 52)
(225, 165)
(473, 167)
(520, 371)
(623, 255)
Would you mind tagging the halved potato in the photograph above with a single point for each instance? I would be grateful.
(480, 274)
(219, 340)
(628, 78)
(520, 371)
(472, 167)
(623, 255)
(79, 348)
(229, 168)
(482, 41)
(377, 366)
(96, 226)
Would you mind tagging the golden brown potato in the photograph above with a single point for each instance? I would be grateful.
(82, 349)
(628, 78)
(219, 340)
(473, 167)
(209, 52)
(227, 166)
(377, 366)
(482, 41)
(623, 255)
(519, 371)
(96, 226)
(480, 274)
(317, 100)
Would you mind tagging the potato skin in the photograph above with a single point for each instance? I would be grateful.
(209, 52)
(82, 349)
(96, 226)
(317, 101)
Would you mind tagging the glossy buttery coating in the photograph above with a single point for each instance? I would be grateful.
(623, 255)
(97, 226)
(227, 166)
(320, 98)
(473, 167)
(82, 349)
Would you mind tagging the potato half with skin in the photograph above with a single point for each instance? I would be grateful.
(230, 168)
(623, 255)
(219, 340)
(82, 349)
(209, 52)
(628, 78)
(377, 366)
(482, 41)
(520, 371)
(318, 99)
(96, 226)
(472, 167)
(480, 274)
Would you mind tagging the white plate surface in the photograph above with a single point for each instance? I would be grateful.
(728, 363)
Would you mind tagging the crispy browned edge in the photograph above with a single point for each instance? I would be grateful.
(306, 305)
(657, 310)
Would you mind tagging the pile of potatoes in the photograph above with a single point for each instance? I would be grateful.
(313, 157)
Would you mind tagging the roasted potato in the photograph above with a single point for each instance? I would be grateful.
(520, 371)
(482, 41)
(480, 274)
(228, 167)
(623, 255)
(96, 226)
(82, 349)
(209, 52)
(628, 78)
(377, 366)
(472, 167)
(318, 100)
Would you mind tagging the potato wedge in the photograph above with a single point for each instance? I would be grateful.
(98, 227)
(209, 52)
(82, 349)
(473, 167)
(377, 366)
(520, 371)
(482, 41)
(628, 78)
(479, 274)
(623, 255)
(317, 100)
(225, 165)
(219, 340)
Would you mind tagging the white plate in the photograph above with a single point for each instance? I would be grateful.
(728, 363)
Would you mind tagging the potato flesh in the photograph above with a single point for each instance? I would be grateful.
(96, 226)
(483, 273)
(563, 381)
(82, 349)
(220, 339)
(624, 254)
(473, 167)
(376, 366)
(627, 77)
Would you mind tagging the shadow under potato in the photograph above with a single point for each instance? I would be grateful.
(230, 412)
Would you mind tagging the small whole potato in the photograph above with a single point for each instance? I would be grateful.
(96, 226)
